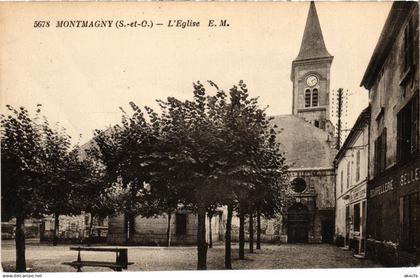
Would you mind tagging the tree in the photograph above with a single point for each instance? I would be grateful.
(22, 172)
(198, 153)
(62, 172)
(94, 194)
(271, 184)
(211, 211)
(194, 147)
(127, 152)
(254, 162)
(164, 194)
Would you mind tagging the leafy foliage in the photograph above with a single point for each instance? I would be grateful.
(22, 162)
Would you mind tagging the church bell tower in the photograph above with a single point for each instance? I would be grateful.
(311, 75)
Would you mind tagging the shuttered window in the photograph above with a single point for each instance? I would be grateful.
(314, 97)
(380, 153)
(408, 131)
(308, 98)
(348, 174)
(358, 165)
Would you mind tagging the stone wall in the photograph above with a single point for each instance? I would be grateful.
(321, 183)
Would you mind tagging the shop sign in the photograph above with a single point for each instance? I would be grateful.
(404, 177)
(358, 193)
(409, 176)
(381, 189)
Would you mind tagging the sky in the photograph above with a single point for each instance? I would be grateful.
(81, 76)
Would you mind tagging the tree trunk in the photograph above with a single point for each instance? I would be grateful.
(168, 230)
(56, 228)
(241, 235)
(90, 231)
(132, 227)
(210, 232)
(251, 232)
(91, 225)
(258, 230)
(228, 238)
(201, 238)
(126, 227)
(20, 244)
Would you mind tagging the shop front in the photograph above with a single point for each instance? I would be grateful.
(393, 225)
(357, 225)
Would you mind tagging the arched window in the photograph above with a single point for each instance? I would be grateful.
(315, 97)
(307, 98)
(298, 185)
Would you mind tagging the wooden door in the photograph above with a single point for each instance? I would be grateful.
(297, 224)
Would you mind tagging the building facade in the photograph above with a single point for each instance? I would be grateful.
(153, 230)
(351, 184)
(392, 78)
(306, 138)
(74, 229)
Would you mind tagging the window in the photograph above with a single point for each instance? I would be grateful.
(408, 46)
(299, 185)
(409, 222)
(315, 97)
(356, 222)
(348, 174)
(380, 153)
(341, 182)
(358, 165)
(316, 123)
(181, 224)
(307, 98)
(311, 97)
(408, 131)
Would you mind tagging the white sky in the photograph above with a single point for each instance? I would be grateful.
(82, 76)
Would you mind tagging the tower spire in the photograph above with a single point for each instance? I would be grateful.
(313, 45)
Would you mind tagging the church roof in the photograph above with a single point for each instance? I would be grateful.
(305, 145)
(313, 45)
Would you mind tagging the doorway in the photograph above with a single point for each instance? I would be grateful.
(297, 224)
(327, 231)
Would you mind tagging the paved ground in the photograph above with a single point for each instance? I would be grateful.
(45, 258)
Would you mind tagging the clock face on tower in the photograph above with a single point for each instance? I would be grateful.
(312, 80)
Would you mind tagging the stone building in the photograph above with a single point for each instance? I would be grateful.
(153, 231)
(307, 138)
(352, 170)
(74, 229)
(392, 78)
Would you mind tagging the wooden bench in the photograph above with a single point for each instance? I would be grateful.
(121, 259)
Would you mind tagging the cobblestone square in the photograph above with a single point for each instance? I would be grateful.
(46, 258)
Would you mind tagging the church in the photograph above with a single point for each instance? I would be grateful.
(307, 138)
